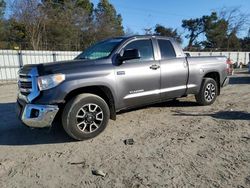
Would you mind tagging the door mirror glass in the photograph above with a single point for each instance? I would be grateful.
(130, 54)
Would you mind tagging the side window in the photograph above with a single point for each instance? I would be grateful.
(166, 48)
(145, 48)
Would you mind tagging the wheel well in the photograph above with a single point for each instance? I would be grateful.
(216, 77)
(102, 91)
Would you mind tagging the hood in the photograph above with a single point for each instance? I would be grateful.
(66, 67)
(62, 66)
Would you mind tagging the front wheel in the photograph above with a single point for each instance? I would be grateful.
(208, 92)
(85, 116)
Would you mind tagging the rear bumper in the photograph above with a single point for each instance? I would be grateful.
(225, 82)
(37, 116)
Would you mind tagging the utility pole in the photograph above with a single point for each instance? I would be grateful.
(248, 35)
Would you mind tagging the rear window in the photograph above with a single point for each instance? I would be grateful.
(166, 48)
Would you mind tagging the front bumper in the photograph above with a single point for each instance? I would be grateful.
(37, 116)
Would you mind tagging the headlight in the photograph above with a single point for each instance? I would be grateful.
(50, 81)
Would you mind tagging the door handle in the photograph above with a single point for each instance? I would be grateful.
(154, 67)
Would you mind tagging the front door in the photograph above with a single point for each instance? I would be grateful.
(138, 80)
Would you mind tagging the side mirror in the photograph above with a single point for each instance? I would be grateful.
(130, 54)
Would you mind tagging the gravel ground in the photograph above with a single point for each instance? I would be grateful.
(177, 144)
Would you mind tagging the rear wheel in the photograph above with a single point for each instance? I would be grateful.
(208, 92)
(85, 116)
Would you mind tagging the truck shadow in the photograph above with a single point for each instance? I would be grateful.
(171, 103)
(13, 132)
(225, 115)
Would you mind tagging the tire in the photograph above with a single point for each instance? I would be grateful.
(208, 92)
(85, 116)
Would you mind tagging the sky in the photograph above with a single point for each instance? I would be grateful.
(139, 14)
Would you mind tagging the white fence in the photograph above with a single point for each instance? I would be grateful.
(236, 57)
(12, 60)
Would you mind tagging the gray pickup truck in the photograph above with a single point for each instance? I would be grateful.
(112, 75)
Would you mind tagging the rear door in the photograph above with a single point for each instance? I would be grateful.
(174, 71)
(138, 80)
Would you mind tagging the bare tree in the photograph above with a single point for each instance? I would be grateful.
(148, 31)
(30, 14)
(237, 22)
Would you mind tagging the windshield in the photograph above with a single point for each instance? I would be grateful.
(100, 50)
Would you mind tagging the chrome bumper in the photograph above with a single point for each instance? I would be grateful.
(38, 116)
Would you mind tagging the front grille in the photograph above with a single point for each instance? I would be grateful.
(25, 84)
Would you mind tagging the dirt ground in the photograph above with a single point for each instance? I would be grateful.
(177, 144)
